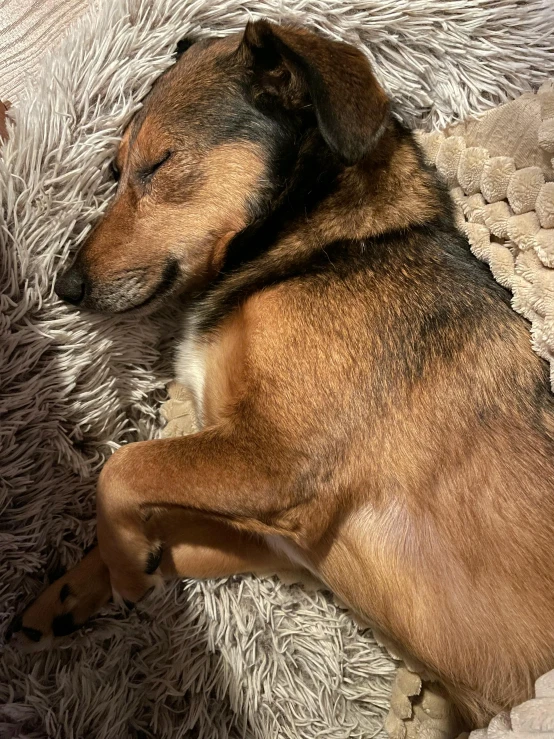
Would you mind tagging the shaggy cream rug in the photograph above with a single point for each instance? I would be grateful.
(241, 657)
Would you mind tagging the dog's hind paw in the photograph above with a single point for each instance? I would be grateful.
(63, 607)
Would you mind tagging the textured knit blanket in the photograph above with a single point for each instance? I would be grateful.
(240, 657)
(28, 30)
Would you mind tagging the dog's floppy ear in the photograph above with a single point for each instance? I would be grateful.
(295, 65)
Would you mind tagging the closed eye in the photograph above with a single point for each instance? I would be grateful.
(147, 172)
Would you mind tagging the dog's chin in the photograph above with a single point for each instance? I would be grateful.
(109, 305)
(133, 299)
(146, 307)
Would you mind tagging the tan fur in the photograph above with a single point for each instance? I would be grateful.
(90, 589)
(225, 370)
(209, 549)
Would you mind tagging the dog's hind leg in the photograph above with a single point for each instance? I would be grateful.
(194, 546)
(65, 605)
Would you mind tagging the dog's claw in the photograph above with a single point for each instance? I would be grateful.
(153, 560)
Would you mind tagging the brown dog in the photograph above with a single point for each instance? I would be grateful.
(371, 407)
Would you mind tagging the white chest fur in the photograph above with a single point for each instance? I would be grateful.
(190, 367)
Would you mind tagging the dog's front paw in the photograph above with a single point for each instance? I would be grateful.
(132, 579)
(127, 541)
(64, 606)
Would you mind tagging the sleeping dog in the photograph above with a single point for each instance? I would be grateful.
(371, 409)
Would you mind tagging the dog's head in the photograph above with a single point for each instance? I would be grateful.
(206, 154)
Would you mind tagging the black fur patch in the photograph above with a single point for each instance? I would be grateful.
(297, 199)
(64, 624)
(153, 560)
(128, 604)
(114, 170)
(249, 253)
(435, 247)
(32, 634)
(65, 592)
(183, 45)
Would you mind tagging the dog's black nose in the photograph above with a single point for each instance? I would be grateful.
(71, 286)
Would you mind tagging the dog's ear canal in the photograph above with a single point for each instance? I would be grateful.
(299, 66)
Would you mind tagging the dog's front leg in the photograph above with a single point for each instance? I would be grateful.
(225, 474)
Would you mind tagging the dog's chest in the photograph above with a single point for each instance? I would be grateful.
(211, 367)
(190, 368)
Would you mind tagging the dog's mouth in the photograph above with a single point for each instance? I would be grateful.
(129, 293)
(163, 289)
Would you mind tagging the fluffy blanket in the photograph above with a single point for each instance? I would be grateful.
(28, 29)
(240, 657)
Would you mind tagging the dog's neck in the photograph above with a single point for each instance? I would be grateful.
(390, 189)
(325, 206)
(320, 200)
